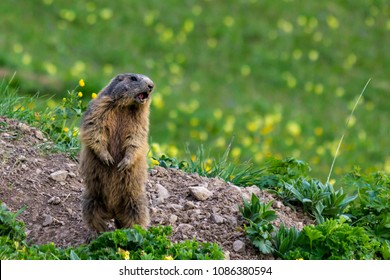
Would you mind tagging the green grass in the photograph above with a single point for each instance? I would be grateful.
(280, 77)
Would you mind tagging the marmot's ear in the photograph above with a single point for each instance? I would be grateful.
(120, 77)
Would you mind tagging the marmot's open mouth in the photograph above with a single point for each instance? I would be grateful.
(141, 97)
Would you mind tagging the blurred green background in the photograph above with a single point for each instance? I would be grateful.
(279, 78)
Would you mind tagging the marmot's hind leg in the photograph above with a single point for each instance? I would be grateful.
(94, 215)
(136, 212)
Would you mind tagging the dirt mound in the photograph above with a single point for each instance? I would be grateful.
(49, 186)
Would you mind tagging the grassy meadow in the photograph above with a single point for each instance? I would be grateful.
(274, 78)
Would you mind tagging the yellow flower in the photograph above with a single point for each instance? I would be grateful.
(313, 55)
(332, 22)
(245, 70)
(66, 129)
(318, 131)
(94, 95)
(80, 94)
(236, 152)
(169, 258)
(294, 128)
(158, 101)
(218, 114)
(300, 259)
(172, 150)
(267, 129)
(207, 165)
(75, 132)
(81, 83)
(155, 162)
(228, 21)
(124, 254)
(64, 99)
(194, 121)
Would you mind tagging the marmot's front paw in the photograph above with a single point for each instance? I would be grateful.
(124, 164)
(106, 158)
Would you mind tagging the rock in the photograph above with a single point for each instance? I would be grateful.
(226, 255)
(24, 127)
(234, 189)
(176, 207)
(55, 200)
(248, 191)
(232, 220)
(239, 246)
(153, 172)
(184, 228)
(277, 204)
(22, 158)
(162, 193)
(194, 214)
(172, 219)
(189, 205)
(215, 218)
(38, 171)
(71, 165)
(200, 193)
(48, 220)
(59, 176)
(39, 134)
(72, 174)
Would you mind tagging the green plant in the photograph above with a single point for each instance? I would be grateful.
(308, 192)
(372, 207)
(10, 227)
(169, 162)
(287, 168)
(259, 230)
(333, 239)
(284, 240)
(336, 202)
(260, 234)
(133, 243)
(257, 211)
(140, 244)
(320, 200)
(279, 171)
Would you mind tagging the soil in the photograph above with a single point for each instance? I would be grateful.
(49, 186)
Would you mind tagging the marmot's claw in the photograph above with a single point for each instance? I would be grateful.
(124, 164)
(107, 159)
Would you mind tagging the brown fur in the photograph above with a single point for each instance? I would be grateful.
(113, 162)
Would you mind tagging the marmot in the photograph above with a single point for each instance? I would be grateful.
(113, 159)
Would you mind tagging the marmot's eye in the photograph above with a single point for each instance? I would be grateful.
(134, 78)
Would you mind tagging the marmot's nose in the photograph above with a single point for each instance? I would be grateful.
(149, 82)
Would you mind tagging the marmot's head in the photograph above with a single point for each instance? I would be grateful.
(128, 89)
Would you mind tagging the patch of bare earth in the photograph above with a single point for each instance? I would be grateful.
(49, 186)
